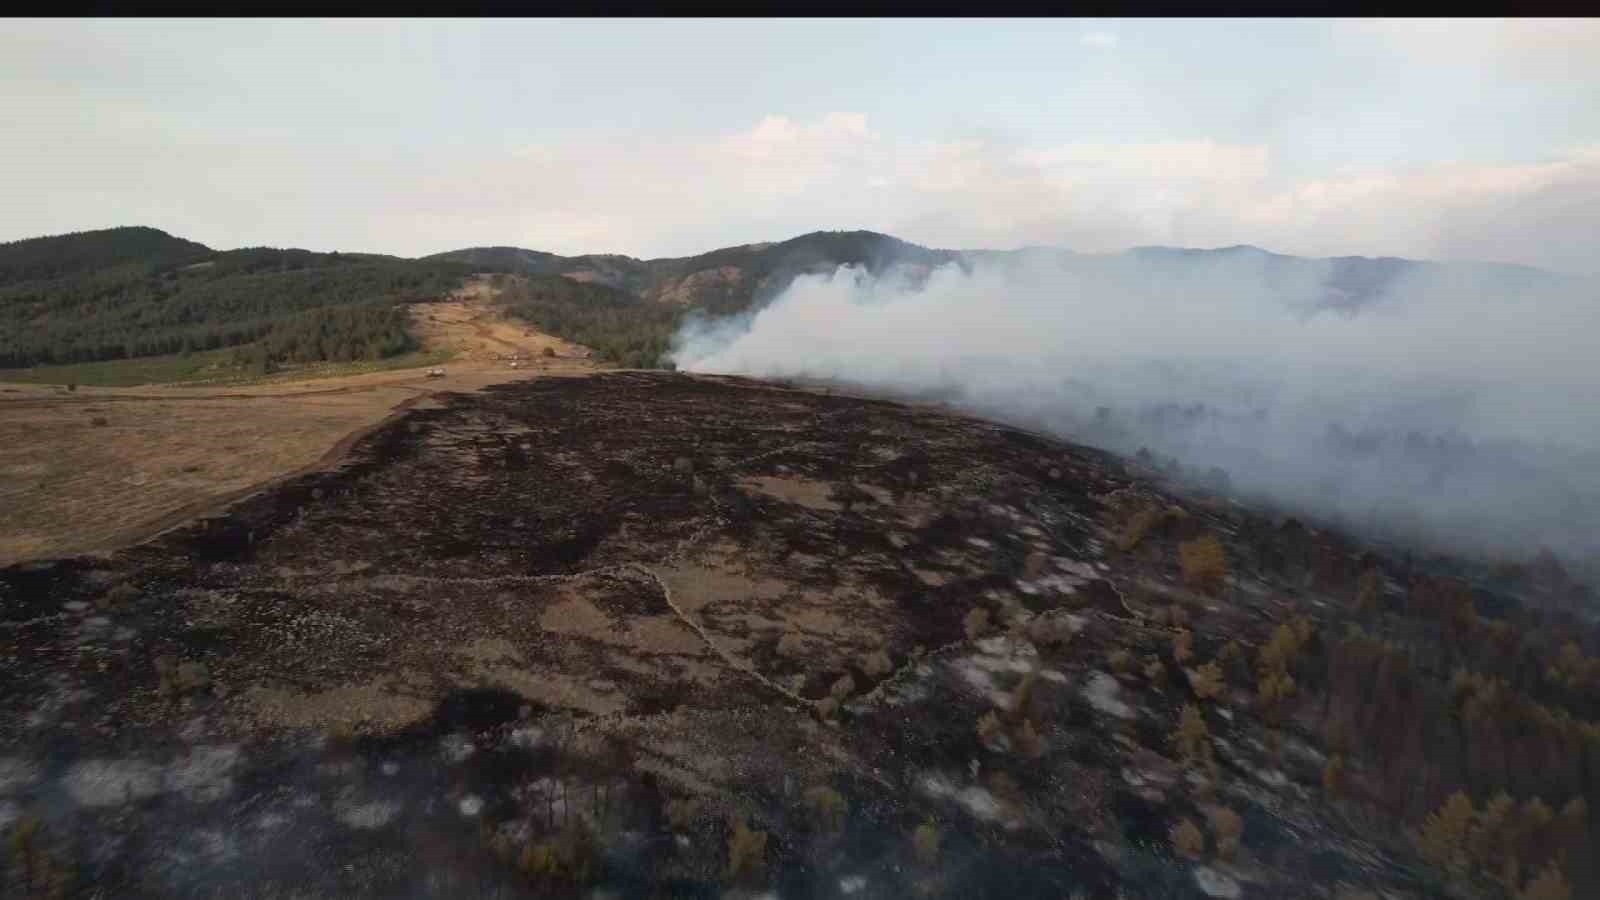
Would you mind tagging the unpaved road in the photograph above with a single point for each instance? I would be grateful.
(167, 453)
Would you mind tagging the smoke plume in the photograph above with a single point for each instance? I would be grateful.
(1454, 404)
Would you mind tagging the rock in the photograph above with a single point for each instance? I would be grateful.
(1216, 884)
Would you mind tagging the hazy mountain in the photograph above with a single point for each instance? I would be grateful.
(733, 278)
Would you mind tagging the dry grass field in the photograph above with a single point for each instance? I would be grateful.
(99, 468)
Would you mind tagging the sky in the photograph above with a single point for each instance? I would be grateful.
(1439, 139)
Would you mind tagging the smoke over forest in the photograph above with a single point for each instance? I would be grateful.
(1451, 405)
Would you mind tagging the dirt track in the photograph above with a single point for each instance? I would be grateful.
(168, 453)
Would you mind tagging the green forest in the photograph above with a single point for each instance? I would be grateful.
(331, 334)
(618, 326)
(132, 292)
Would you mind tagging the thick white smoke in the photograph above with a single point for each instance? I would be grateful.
(1450, 406)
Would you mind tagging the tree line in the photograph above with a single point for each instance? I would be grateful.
(63, 307)
(618, 326)
(332, 334)
(1450, 700)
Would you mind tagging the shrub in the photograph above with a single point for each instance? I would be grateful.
(1490, 835)
(1369, 591)
(976, 623)
(1206, 681)
(1154, 671)
(1187, 839)
(844, 687)
(99, 421)
(988, 727)
(1301, 627)
(1183, 646)
(569, 856)
(828, 807)
(1230, 651)
(826, 708)
(1549, 884)
(1333, 776)
(1049, 631)
(876, 664)
(1205, 566)
(1442, 840)
(72, 387)
(1143, 522)
(1226, 827)
(1028, 740)
(1120, 661)
(193, 676)
(1274, 688)
(1192, 739)
(1022, 695)
(1278, 652)
(925, 842)
(747, 851)
(548, 353)
(681, 811)
(119, 594)
(36, 872)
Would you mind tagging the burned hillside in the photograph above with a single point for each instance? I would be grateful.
(649, 634)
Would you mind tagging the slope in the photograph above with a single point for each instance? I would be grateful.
(132, 292)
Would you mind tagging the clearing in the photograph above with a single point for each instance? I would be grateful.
(101, 467)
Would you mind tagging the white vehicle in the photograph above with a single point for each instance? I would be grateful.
(435, 373)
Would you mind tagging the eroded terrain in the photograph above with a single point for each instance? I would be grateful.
(594, 635)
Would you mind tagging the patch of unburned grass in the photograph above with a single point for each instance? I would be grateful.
(209, 368)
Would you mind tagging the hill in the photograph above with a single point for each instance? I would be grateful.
(129, 292)
(649, 634)
(132, 292)
(732, 280)
(65, 255)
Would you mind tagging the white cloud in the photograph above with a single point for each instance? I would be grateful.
(1519, 48)
(782, 176)
(1098, 39)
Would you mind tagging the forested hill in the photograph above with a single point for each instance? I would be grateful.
(47, 258)
(732, 279)
(127, 292)
(722, 281)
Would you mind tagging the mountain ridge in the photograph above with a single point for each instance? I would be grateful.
(138, 290)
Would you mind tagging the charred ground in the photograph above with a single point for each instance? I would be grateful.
(662, 635)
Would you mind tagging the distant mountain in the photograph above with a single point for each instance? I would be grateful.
(129, 292)
(721, 281)
(138, 291)
(734, 278)
(92, 251)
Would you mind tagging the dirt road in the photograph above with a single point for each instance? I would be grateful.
(166, 453)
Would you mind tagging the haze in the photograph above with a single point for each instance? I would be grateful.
(1435, 139)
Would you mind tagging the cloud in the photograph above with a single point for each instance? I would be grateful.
(1098, 39)
(1542, 48)
(781, 175)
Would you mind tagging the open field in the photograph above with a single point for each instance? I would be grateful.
(99, 467)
